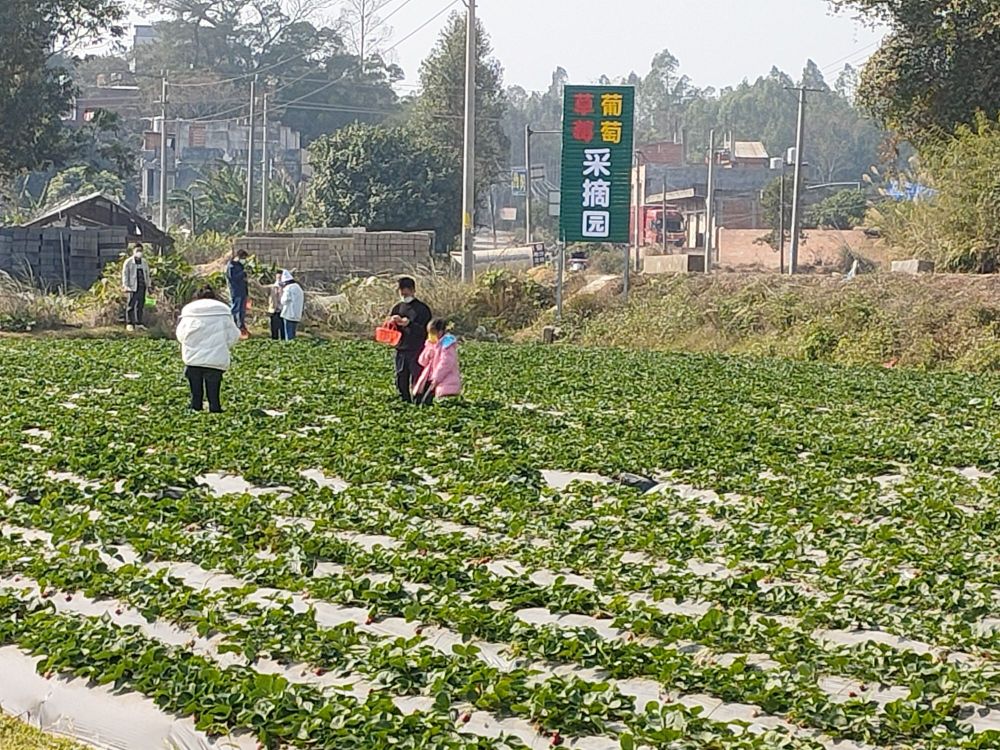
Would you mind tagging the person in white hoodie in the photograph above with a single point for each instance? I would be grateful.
(293, 302)
(207, 332)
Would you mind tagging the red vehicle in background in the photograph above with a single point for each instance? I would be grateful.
(655, 223)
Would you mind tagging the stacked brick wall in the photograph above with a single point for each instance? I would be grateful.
(60, 256)
(324, 254)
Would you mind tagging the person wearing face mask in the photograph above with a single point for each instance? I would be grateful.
(411, 317)
(442, 377)
(136, 281)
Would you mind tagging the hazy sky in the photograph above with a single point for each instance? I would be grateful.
(718, 42)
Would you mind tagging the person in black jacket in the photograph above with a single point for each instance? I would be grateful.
(239, 289)
(411, 316)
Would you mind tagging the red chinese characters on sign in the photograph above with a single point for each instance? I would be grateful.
(583, 130)
(583, 104)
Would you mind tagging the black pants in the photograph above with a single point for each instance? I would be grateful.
(136, 306)
(277, 327)
(408, 371)
(205, 381)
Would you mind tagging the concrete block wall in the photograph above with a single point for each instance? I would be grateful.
(912, 266)
(671, 264)
(329, 253)
(60, 256)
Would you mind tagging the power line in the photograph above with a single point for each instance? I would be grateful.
(222, 116)
(850, 56)
(366, 110)
(361, 84)
(405, 3)
(278, 64)
(425, 24)
(413, 33)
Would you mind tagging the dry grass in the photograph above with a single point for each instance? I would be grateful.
(927, 322)
(14, 735)
(24, 308)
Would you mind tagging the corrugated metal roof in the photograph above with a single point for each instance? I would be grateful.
(676, 195)
(749, 150)
(102, 207)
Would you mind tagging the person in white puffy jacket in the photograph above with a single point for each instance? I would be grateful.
(293, 302)
(207, 332)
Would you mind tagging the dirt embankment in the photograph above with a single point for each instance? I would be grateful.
(937, 321)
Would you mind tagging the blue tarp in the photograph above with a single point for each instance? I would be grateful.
(909, 191)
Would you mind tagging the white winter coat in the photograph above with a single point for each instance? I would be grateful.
(207, 332)
(293, 302)
(130, 274)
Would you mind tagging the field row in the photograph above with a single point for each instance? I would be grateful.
(322, 568)
(357, 555)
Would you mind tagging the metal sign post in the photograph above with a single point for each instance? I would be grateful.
(560, 263)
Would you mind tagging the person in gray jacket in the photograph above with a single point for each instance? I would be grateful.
(136, 281)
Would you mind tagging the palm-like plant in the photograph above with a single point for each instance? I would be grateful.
(216, 202)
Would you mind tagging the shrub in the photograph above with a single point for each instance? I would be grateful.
(958, 227)
(24, 308)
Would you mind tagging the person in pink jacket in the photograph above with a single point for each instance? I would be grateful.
(441, 377)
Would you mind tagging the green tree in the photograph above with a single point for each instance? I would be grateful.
(843, 210)
(958, 225)
(440, 108)
(384, 178)
(936, 69)
(214, 47)
(105, 145)
(215, 202)
(83, 180)
(773, 208)
(35, 85)
(543, 111)
(841, 144)
(662, 97)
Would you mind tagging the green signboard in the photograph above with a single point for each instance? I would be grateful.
(597, 163)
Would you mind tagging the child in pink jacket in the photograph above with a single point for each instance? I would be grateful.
(440, 377)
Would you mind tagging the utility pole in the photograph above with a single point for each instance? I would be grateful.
(469, 171)
(781, 219)
(663, 215)
(793, 248)
(527, 182)
(265, 173)
(493, 215)
(710, 203)
(640, 205)
(250, 160)
(163, 154)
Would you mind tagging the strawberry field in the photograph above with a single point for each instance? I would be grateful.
(813, 563)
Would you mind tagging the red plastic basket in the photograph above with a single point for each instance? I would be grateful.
(389, 335)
